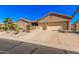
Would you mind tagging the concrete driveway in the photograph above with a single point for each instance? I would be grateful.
(39, 42)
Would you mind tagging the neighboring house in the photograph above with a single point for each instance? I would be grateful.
(1, 25)
(73, 27)
(22, 23)
(77, 25)
(53, 19)
(74, 22)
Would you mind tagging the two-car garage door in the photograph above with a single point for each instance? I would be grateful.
(57, 25)
(54, 27)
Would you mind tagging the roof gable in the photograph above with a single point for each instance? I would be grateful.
(25, 20)
(56, 16)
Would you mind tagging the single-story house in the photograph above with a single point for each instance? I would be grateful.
(51, 20)
(22, 23)
(54, 19)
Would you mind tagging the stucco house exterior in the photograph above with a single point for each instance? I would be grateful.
(54, 19)
(1, 25)
(50, 20)
(77, 25)
(22, 23)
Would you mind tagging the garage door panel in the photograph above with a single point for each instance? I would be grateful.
(58, 24)
(54, 27)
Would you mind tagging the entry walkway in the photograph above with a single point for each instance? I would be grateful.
(40, 41)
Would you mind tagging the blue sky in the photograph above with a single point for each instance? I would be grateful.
(33, 12)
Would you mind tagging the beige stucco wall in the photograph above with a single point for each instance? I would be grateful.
(21, 24)
(77, 26)
(56, 21)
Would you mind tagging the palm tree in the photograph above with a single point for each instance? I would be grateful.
(76, 11)
(9, 25)
(8, 22)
